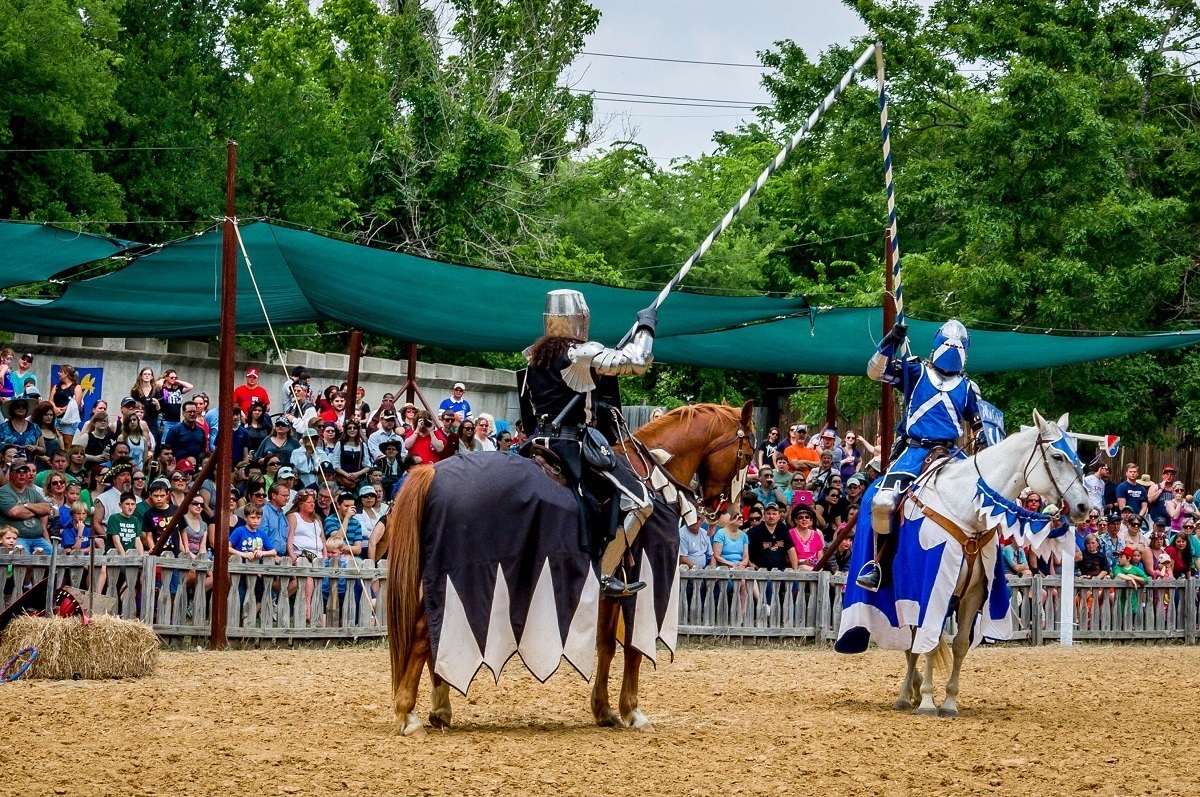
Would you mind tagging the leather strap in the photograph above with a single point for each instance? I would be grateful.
(971, 544)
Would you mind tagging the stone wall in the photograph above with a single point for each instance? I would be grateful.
(488, 390)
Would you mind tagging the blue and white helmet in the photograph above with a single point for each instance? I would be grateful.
(950, 344)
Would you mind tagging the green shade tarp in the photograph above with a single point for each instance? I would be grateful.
(306, 277)
(32, 252)
(841, 340)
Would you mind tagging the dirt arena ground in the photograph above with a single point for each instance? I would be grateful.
(1091, 720)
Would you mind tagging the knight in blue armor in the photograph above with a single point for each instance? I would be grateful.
(939, 402)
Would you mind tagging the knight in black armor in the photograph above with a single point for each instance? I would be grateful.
(571, 403)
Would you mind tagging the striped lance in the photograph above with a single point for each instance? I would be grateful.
(772, 167)
(897, 285)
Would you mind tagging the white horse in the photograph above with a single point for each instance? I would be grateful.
(958, 513)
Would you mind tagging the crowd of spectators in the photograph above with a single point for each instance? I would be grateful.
(313, 473)
(316, 465)
(799, 508)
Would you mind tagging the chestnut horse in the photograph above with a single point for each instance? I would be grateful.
(709, 441)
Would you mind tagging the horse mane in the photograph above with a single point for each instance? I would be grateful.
(711, 414)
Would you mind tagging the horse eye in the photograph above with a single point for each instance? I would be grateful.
(1058, 457)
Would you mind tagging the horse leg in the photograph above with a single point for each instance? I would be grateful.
(606, 648)
(928, 707)
(439, 713)
(406, 694)
(910, 684)
(629, 692)
(971, 603)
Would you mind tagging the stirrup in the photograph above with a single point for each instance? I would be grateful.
(869, 576)
(613, 587)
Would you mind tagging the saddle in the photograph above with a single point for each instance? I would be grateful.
(549, 462)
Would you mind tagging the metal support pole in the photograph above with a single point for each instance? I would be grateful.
(224, 466)
(356, 349)
(887, 408)
(831, 391)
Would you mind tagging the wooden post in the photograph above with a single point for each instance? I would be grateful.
(410, 386)
(887, 409)
(356, 349)
(831, 391)
(224, 466)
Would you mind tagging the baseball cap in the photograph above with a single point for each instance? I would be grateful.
(286, 473)
(19, 463)
(459, 386)
(159, 484)
(1114, 517)
(1127, 552)
(310, 432)
(1159, 522)
(828, 433)
(128, 401)
(27, 357)
(185, 466)
(858, 478)
(388, 415)
(876, 464)
(368, 490)
(281, 421)
(771, 505)
(251, 372)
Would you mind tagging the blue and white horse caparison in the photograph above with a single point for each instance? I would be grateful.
(948, 554)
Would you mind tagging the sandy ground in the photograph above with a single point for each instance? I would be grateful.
(728, 721)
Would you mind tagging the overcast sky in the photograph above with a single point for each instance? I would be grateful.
(701, 30)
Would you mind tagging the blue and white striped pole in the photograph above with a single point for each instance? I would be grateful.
(762, 178)
(889, 183)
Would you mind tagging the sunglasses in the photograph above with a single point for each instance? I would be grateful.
(197, 503)
(179, 478)
(139, 478)
(756, 517)
(259, 494)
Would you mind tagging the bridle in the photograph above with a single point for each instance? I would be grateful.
(1040, 447)
(712, 506)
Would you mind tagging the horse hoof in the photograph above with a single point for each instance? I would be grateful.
(930, 711)
(902, 705)
(439, 721)
(412, 727)
(951, 713)
(637, 720)
(610, 720)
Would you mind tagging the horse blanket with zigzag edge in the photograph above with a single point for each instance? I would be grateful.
(504, 573)
(910, 609)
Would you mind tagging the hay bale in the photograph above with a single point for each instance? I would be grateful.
(107, 647)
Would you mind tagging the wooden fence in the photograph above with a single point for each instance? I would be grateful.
(267, 600)
(273, 600)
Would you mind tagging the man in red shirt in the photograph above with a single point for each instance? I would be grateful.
(247, 394)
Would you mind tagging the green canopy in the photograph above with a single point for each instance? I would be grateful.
(841, 340)
(173, 291)
(32, 252)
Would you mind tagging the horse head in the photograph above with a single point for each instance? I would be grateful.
(1054, 469)
(725, 463)
(713, 443)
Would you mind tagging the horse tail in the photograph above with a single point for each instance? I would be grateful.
(943, 659)
(403, 544)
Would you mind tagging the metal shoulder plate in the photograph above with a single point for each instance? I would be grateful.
(578, 375)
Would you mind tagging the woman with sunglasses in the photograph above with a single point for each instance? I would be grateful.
(145, 393)
(466, 438)
(179, 487)
(351, 465)
(193, 539)
(1174, 506)
(306, 538)
(56, 496)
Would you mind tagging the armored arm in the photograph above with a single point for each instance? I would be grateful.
(632, 358)
(880, 366)
(974, 418)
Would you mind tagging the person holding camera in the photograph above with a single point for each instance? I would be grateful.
(426, 442)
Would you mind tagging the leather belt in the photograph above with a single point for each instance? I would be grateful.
(920, 442)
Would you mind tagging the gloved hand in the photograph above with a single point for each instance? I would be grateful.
(648, 319)
(895, 335)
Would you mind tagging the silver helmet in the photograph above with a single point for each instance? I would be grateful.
(566, 315)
